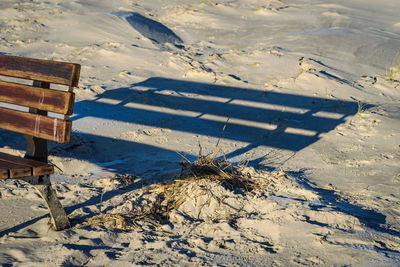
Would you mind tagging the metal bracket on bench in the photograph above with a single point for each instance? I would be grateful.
(57, 213)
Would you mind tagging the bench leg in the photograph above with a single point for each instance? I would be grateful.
(58, 216)
(57, 213)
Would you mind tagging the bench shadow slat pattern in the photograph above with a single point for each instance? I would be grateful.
(190, 107)
(277, 120)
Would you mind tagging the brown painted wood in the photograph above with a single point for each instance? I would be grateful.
(4, 173)
(40, 70)
(36, 97)
(38, 167)
(36, 125)
(16, 170)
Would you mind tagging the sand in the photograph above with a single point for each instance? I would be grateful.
(312, 93)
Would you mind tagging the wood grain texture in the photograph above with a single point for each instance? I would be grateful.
(35, 97)
(38, 167)
(36, 125)
(16, 170)
(40, 70)
(4, 173)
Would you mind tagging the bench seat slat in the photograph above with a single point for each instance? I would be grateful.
(44, 127)
(4, 173)
(40, 70)
(38, 167)
(35, 97)
(36, 124)
(16, 170)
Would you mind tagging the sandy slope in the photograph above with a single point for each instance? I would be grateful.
(312, 106)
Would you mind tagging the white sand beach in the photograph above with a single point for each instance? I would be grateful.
(311, 92)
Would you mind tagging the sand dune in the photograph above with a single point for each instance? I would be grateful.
(311, 90)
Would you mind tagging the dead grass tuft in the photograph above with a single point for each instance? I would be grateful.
(394, 70)
(135, 220)
(170, 196)
(167, 197)
(196, 180)
(126, 179)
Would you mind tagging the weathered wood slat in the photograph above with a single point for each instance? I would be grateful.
(35, 124)
(4, 173)
(40, 126)
(40, 70)
(36, 97)
(38, 168)
(16, 170)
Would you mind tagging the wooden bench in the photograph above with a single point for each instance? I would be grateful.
(24, 109)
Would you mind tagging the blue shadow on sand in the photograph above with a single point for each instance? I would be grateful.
(259, 118)
(149, 103)
(151, 29)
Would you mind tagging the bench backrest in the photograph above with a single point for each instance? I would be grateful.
(39, 98)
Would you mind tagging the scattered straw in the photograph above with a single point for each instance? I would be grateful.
(125, 179)
(170, 196)
(196, 179)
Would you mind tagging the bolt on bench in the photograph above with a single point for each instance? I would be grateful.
(33, 121)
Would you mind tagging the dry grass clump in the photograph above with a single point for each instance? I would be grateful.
(221, 171)
(207, 182)
(394, 70)
(132, 221)
(125, 179)
(170, 196)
